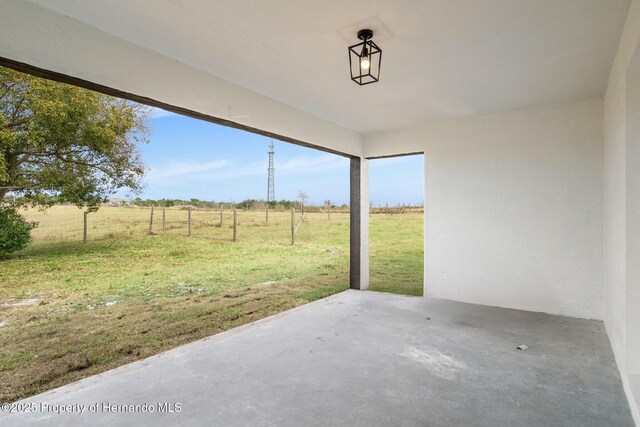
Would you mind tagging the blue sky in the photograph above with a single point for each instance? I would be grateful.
(189, 158)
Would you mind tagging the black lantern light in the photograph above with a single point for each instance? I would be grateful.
(365, 59)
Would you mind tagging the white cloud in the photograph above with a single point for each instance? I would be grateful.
(295, 166)
(321, 163)
(185, 173)
(174, 169)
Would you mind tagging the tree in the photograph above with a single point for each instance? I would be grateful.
(302, 196)
(15, 231)
(60, 143)
(247, 204)
(287, 204)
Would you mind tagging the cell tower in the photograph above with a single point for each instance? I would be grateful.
(271, 190)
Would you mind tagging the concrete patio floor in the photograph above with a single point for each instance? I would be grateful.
(364, 359)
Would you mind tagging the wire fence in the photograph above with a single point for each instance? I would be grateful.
(68, 223)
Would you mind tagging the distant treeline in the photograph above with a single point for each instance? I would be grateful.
(245, 204)
(210, 204)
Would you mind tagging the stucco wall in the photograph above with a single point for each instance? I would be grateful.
(614, 229)
(513, 207)
(36, 36)
(621, 251)
(632, 244)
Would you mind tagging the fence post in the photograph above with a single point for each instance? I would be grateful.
(189, 222)
(221, 215)
(151, 222)
(329, 213)
(84, 231)
(293, 226)
(235, 225)
(164, 218)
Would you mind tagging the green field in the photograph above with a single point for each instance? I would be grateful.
(124, 295)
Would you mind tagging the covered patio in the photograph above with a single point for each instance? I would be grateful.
(362, 359)
(527, 113)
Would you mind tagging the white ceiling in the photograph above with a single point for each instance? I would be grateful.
(442, 59)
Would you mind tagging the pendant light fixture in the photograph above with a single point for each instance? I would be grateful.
(365, 59)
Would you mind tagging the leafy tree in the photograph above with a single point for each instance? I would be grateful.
(15, 231)
(247, 204)
(60, 143)
(287, 204)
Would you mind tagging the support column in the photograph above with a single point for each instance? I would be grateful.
(359, 227)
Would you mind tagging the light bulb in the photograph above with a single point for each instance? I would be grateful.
(365, 63)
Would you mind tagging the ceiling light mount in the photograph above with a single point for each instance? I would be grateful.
(365, 59)
(365, 34)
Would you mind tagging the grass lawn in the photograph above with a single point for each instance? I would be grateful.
(396, 253)
(108, 302)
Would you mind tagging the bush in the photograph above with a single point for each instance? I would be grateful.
(15, 231)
